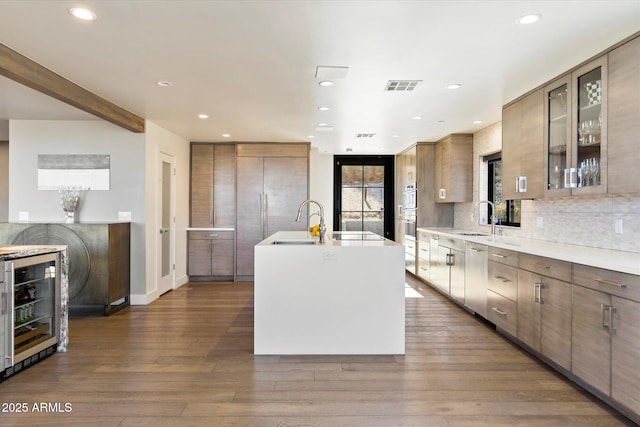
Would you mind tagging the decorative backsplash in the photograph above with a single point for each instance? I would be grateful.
(586, 221)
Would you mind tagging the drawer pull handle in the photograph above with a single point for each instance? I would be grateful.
(546, 267)
(213, 235)
(500, 312)
(502, 279)
(475, 250)
(499, 255)
(610, 283)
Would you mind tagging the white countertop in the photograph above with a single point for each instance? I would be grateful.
(626, 262)
(335, 238)
(210, 229)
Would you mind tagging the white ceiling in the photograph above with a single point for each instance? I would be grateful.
(250, 65)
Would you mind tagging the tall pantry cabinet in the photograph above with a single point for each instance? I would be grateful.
(272, 182)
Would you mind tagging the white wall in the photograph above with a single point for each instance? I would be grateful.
(160, 140)
(321, 183)
(4, 180)
(28, 138)
(587, 221)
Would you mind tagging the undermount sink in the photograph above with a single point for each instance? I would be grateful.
(294, 242)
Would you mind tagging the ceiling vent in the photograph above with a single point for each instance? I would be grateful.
(365, 135)
(401, 85)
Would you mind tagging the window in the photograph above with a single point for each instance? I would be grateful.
(507, 211)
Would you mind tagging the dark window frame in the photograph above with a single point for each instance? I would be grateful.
(511, 205)
(388, 162)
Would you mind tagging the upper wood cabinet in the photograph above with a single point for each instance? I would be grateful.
(522, 148)
(575, 128)
(213, 184)
(454, 168)
(623, 118)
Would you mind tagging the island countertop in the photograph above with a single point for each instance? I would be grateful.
(334, 238)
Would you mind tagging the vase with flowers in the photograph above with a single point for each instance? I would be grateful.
(69, 197)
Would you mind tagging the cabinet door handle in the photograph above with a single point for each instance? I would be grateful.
(610, 283)
(604, 308)
(475, 250)
(612, 310)
(502, 279)
(498, 255)
(500, 312)
(537, 293)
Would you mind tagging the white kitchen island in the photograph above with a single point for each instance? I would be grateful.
(344, 296)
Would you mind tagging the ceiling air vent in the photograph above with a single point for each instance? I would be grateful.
(401, 85)
(365, 135)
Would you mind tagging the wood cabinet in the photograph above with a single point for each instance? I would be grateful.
(454, 168)
(544, 308)
(447, 264)
(272, 181)
(623, 123)
(210, 254)
(213, 186)
(502, 290)
(523, 148)
(605, 338)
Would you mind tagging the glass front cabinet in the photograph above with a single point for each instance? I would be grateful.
(575, 132)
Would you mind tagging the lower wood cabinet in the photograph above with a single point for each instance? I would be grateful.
(605, 335)
(544, 316)
(210, 254)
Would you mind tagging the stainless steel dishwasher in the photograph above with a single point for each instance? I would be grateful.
(476, 278)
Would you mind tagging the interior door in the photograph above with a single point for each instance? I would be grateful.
(166, 219)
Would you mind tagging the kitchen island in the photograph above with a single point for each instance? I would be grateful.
(343, 296)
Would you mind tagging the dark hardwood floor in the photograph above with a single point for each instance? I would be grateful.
(186, 360)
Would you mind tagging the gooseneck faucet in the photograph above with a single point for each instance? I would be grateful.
(323, 228)
(493, 214)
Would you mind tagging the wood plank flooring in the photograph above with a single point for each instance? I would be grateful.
(186, 360)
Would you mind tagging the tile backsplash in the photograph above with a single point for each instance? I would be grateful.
(585, 221)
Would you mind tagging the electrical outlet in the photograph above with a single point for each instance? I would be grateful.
(618, 226)
(540, 222)
(124, 216)
(23, 216)
(329, 255)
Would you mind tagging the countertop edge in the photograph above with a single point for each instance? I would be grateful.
(610, 259)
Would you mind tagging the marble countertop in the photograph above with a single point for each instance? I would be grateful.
(335, 238)
(626, 262)
(9, 252)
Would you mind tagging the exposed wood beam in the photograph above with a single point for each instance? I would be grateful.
(23, 70)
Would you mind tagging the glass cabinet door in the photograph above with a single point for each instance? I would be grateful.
(557, 123)
(589, 137)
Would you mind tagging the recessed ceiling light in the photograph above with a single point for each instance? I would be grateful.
(417, 117)
(324, 108)
(311, 136)
(226, 135)
(528, 19)
(454, 86)
(395, 136)
(326, 83)
(203, 116)
(322, 124)
(164, 83)
(84, 14)
(477, 122)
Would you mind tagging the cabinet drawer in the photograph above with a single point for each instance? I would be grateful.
(502, 312)
(449, 242)
(424, 236)
(554, 268)
(503, 256)
(210, 235)
(612, 282)
(423, 250)
(503, 279)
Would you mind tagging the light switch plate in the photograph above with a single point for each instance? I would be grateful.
(124, 216)
(618, 226)
(329, 255)
(540, 222)
(23, 216)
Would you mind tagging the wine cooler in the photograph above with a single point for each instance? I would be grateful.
(29, 311)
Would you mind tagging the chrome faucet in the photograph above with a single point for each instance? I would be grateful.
(493, 214)
(323, 228)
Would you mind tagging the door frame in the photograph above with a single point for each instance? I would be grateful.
(388, 161)
(166, 283)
